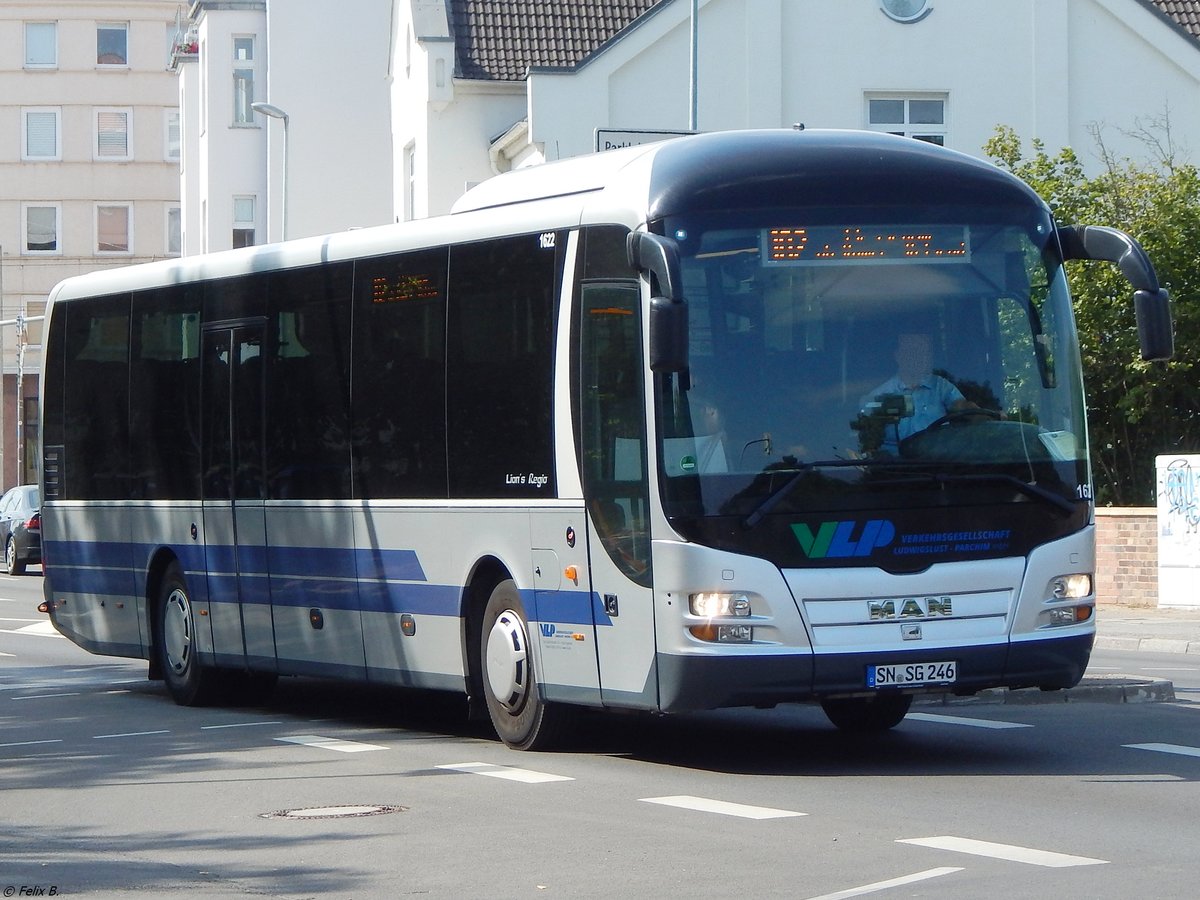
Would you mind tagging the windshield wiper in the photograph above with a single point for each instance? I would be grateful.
(802, 469)
(1029, 489)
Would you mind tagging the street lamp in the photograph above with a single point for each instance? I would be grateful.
(274, 112)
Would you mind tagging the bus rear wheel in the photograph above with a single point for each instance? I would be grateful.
(522, 719)
(865, 715)
(189, 683)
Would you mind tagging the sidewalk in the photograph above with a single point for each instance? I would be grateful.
(1174, 630)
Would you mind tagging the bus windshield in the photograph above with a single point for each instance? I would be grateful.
(842, 364)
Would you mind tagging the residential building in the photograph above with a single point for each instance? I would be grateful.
(484, 85)
(286, 124)
(89, 170)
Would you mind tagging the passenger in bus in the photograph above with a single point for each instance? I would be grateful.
(912, 399)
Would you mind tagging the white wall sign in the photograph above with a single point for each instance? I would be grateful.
(1178, 491)
(614, 139)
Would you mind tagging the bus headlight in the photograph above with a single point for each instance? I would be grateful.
(717, 604)
(721, 605)
(1071, 587)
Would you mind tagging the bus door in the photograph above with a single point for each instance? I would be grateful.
(234, 493)
(615, 483)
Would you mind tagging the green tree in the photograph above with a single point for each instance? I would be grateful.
(1136, 410)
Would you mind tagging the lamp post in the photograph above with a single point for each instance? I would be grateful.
(274, 112)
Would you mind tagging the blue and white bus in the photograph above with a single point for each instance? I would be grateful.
(623, 431)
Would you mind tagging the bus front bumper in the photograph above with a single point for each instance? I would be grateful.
(696, 682)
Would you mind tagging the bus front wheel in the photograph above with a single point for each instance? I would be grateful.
(522, 719)
(189, 683)
(867, 714)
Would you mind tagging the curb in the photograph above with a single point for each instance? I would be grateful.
(1148, 644)
(1092, 689)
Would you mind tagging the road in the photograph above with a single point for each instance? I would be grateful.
(333, 790)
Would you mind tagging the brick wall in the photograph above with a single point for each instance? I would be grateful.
(1127, 556)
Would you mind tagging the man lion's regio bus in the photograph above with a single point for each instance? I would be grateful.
(616, 433)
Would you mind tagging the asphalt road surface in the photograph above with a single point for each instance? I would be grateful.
(108, 789)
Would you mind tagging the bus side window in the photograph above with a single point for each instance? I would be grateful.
(500, 367)
(398, 408)
(96, 413)
(164, 394)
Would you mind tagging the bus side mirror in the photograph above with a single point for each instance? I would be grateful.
(657, 256)
(1151, 303)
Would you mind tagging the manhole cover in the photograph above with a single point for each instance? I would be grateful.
(333, 812)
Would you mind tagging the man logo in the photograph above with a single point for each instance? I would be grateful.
(836, 540)
(910, 608)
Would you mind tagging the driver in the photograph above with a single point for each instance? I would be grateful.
(926, 397)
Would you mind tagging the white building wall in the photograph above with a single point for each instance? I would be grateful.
(231, 157)
(333, 81)
(441, 124)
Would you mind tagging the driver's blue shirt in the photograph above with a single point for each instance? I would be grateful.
(932, 397)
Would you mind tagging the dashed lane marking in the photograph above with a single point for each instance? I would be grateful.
(525, 776)
(100, 737)
(31, 743)
(1030, 855)
(1177, 749)
(704, 804)
(38, 629)
(329, 743)
(890, 883)
(963, 720)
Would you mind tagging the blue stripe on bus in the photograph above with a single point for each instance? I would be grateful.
(326, 577)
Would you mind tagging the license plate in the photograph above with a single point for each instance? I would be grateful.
(912, 673)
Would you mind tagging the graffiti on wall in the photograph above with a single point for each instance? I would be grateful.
(1179, 510)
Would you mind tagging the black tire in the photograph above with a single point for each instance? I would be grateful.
(12, 564)
(175, 648)
(523, 721)
(866, 715)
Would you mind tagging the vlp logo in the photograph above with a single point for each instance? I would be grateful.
(548, 630)
(837, 540)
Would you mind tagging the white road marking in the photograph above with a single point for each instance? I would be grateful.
(100, 737)
(237, 725)
(703, 804)
(329, 743)
(2, 653)
(890, 883)
(31, 743)
(38, 629)
(1177, 749)
(1169, 669)
(48, 696)
(525, 776)
(963, 720)
(1008, 852)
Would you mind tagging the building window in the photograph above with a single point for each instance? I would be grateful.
(243, 80)
(112, 44)
(112, 134)
(410, 182)
(41, 139)
(917, 116)
(174, 231)
(113, 227)
(172, 136)
(41, 45)
(41, 227)
(243, 222)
